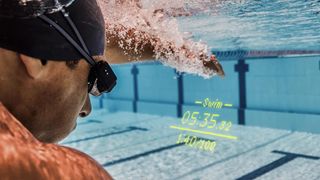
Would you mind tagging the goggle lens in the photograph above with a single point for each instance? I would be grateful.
(101, 79)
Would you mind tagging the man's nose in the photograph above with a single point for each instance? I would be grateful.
(86, 109)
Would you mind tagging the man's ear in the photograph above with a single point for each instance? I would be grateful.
(33, 66)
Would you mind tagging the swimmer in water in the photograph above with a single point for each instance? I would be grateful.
(52, 57)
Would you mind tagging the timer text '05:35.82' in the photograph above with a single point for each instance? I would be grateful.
(205, 120)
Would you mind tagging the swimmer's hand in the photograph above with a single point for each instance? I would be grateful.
(213, 64)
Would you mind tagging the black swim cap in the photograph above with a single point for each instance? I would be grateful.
(22, 31)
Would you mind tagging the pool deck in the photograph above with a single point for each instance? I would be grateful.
(142, 146)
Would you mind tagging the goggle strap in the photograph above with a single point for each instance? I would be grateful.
(88, 58)
(75, 30)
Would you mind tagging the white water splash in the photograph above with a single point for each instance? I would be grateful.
(152, 23)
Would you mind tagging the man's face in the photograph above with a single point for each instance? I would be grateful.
(63, 98)
(49, 104)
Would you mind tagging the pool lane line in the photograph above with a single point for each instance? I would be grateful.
(89, 122)
(242, 68)
(128, 129)
(130, 158)
(136, 144)
(148, 153)
(205, 132)
(288, 157)
(110, 129)
(233, 156)
(84, 132)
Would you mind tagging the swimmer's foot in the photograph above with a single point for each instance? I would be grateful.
(214, 64)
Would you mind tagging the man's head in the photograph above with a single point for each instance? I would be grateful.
(43, 80)
(46, 96)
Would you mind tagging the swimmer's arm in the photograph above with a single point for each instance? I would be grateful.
(119, 55)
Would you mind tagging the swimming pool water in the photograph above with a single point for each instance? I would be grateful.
(256, 24)
(142, 146)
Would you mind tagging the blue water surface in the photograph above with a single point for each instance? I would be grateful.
(257, 25)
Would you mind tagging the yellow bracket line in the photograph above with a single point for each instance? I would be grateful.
(198, 102)
(228, 105)
(204, 132)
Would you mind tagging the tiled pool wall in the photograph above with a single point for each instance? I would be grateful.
(275, 92)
